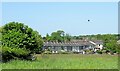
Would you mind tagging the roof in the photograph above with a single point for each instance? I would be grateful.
(97, 41)
(80, 43)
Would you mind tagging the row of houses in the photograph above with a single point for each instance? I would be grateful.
(74, 46)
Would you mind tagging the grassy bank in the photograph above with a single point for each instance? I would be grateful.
(65, 61)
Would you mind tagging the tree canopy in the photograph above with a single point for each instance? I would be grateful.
(58, 36)
(19, 37)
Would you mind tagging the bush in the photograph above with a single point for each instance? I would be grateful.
(65, 52)
(112, 46)
(19, 40)
(104, 51)
(99, 52)
(47, 52)
(9, 53)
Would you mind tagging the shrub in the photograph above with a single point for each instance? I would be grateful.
(99, 51)
(47, 52)
(13, 53)
(65, 52)
(112, 46)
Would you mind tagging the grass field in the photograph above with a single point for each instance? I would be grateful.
(65, 61)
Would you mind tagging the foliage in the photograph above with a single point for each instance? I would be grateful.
(13, 53)
(111, 46)
(99, 51)
(17, 38)
(58, 36)
(47, 52)
(67, 38)
(47, 38)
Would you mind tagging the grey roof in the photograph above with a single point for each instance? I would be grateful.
(98, 41)
(80, 43)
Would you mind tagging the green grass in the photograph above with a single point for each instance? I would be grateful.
(65, 61)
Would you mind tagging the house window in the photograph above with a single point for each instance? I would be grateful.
(69, 48)
(62, 48)
(80, 47)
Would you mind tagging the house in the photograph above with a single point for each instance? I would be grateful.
(73, 46)
(98, 44)
(118, 42)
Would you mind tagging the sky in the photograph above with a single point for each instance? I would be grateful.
(60, 0)
(72, 17)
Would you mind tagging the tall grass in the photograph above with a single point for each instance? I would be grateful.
(65, 61)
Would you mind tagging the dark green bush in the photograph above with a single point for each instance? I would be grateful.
(99, 52)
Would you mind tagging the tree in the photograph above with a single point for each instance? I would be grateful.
(61, 32)
(19, 37)
(67, 38)
(55, 36)
(112, 46)
(47, 37)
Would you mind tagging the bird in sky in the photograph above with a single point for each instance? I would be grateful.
(88, 20)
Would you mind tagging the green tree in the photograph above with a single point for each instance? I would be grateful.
(47, 37)
(112, 46)
(55, 36)
(61, 32)
(19, 37)
(67, 38)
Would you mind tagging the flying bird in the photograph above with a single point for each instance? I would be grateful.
(88, 20)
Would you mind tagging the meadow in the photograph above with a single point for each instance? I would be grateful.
(65, 61)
